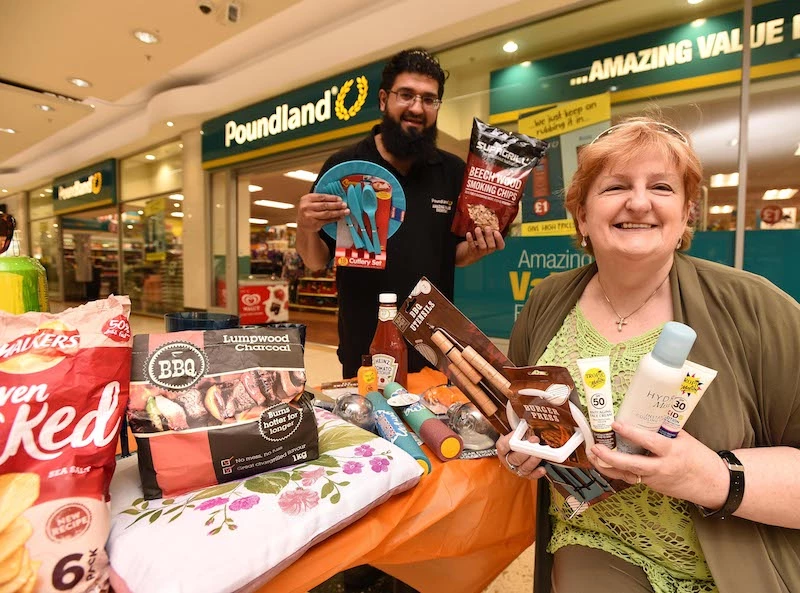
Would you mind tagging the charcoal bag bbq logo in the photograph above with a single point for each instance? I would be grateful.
(176, 366)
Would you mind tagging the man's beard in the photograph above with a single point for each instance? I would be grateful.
(407, 144)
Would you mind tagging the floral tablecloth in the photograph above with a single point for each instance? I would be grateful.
(237, 536)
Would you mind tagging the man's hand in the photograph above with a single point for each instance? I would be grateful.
(484, 242)
(316, 210)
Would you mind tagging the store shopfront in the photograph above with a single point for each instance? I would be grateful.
(85, 204)
(263, 158)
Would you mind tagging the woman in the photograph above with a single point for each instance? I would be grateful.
(631, 198)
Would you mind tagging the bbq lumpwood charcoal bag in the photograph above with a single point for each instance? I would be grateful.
(208, 407)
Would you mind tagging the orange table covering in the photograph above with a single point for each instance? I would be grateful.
(455, 531)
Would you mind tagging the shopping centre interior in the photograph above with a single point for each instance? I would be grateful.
(189, 226)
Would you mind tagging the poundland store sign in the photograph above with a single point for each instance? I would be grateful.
(335, 108)
(676, 59)
(88, 188)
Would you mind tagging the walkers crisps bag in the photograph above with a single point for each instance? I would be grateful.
(63, 388)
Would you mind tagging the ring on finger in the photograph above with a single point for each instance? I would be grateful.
(511, 466)
(638, 479)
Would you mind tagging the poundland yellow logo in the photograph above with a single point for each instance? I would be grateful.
(347, 104)
(92, 185)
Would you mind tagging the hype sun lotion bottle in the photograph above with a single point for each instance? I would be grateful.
(656, 382)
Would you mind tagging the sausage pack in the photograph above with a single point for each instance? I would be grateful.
(209, 407)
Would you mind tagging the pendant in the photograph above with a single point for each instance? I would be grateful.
(620, 323)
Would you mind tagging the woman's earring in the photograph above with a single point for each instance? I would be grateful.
(583, 241)
(680, 242)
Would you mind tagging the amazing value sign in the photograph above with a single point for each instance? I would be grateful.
(701, 53)
(334, 108)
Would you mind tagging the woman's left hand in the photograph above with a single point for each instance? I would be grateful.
(682, 467)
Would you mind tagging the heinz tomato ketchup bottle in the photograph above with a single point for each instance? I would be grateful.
(388, 349)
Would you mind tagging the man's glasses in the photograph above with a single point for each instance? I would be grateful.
(666, 128)
(7, 226)
(406, 98)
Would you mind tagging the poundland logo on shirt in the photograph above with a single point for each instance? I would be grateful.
(288, 117)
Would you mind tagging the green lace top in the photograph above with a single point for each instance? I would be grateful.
(639, 525)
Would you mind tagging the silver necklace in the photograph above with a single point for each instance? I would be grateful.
(623, 319)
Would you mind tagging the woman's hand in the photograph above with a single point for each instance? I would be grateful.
(682, 467)
(525, 466)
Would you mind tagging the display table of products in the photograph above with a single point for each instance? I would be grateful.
(316, 294)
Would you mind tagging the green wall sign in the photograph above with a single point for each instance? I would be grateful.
(697, 56)
(90, 187)
(337, 107)
(493, 291)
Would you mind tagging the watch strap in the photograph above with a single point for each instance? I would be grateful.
(735, 490)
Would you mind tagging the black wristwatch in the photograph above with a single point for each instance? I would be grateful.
(735, 491)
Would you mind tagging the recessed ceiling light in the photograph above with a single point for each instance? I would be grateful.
(180, 145)
(301, 174)
(698, 22)
(41, 195)
(291, 225)
(48, 191)
(55, 226)
(146, 37)
(526, 64)
(130, 226)
(170, 124)
(779, 194)
(797, 152)
(510, 47)
(258, 221)
(140, 212)
(724, 180)
(694, 1)
(5, 191)
(271, 204)
(254, 188)
(150, 157)
(43, 107)
(177, 205)
(733, 142)
(8, 130)
(178, 197)
(176, 214)
(84, 84)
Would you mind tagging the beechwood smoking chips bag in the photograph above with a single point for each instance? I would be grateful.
(498, 165)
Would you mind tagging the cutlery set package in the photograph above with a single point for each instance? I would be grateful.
(377, 208)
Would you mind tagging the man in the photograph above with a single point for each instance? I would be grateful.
(404, 142)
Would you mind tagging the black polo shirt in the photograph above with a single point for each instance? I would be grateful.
(422, 246)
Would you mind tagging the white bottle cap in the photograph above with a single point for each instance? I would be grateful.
(674, 344)
(387, 298)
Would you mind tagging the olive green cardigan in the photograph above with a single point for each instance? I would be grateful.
(749, 331)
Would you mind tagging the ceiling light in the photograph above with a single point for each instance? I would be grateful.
(725, 180)
(180, 145)
(526, 64)
(170, 124)
(150, 157)
(178, 197)
(43, 107)
(291, 225)
(10, 131)
(726, 209)
(258, 221)
(176, 214)
(733, 142)
(5, 191)
(779, 194)
(41, 195)
(84, 84)
(796, 152)
(254, 188)
(271, 204)
(301, 174)
(130, 226)
(140, 212)
(48, 191)
(694, 1)
(177, 205)
(146, 37)
(698, 22)
(55, 226)
(510, 47)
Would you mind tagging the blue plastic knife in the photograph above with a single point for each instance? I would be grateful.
(354, 203)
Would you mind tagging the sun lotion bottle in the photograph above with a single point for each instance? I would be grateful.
(656, 382)
(367, 376)
(388, 349)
